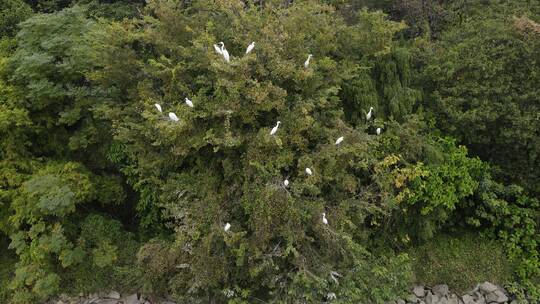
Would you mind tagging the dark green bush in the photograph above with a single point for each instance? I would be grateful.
(481, 84)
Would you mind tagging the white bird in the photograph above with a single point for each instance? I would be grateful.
(218, 49)
(227, 227)
(339, 140)
(158, 107)
(224, 52)
(331, 296)
(334, 275)
(368, 115)
(189, 103)
(173, 116)
(274, 129)
(378, 131)
(286, 183)
(306, 64)
(229, 293)
(324, 221)
(250, 47)
(308, 171)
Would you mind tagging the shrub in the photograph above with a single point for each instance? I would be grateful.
(508, 213)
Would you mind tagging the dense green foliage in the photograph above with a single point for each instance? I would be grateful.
(100, 190)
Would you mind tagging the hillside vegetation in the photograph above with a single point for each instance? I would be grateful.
(135, 156)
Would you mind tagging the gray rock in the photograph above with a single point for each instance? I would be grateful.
(487, 287)
(467, 299)
(497, 296)
(113, 295)
(419, 291)
(431, 298)
(443, 300)
(412, 299)
(453, 299)
(480, 299)
(108, 301)
(400, 301)
(132, 299)
(440, 290)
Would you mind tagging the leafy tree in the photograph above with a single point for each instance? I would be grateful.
(219, 164)
(48, 132)
(481, 83)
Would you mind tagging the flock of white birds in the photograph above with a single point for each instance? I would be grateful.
(221, 50)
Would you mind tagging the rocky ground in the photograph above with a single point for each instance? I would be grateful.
(112, 297)
(485, 293)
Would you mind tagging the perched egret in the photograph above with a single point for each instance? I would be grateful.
(324, 220)
(378, 131)
(334, 276)
(368, 115)
(308, 171)
(339, 140)
(218, 49)
(250, 48)
(224, 52)
(274, 129)
(158, 107)
(331, 296)
(229, 293)
(306, 64)
(286, 183)
(227, 227)
(173, 116)
(189, 103)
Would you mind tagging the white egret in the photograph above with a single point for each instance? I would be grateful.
(339, 140)
(173, 116)
(368, 115)
(158, 107)
(334, 276)
(308, 171)
(218, 49)
(324, 220)
(229, 293)
(286, 183)
(378, 131)
(331, 296)
(274, 129)
(250, 47)
(189, 102)
(306, 64)
(227, 227)
(224, 52)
